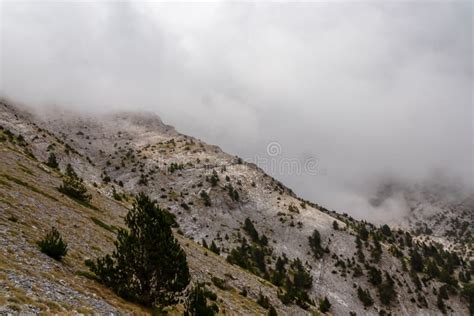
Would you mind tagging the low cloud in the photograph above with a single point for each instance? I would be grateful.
(370, 91)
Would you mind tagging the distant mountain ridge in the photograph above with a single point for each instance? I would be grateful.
(214, 197)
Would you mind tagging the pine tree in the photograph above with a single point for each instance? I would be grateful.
(315, 244)
(206, 198)
(148, 265)
(250, 229)
(363, 232)
(386, 230)
(214, 248)
(365, 297)
(73, 186)
(416, 261)
(376, 252)
(467, 293)
(272, 311)
(196, 304)
(53, 245)
(387, 291)
(52, 161)
(374, 276)
(324, 305)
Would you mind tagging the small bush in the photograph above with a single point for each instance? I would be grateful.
(315, 244)
(263, 301)
(197, 302)
(220, 283)
(205, 197)
(365, 297)
(73, 186)
(53, 245)
(52, 161)
(324, 305)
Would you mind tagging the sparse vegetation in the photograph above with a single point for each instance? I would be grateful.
(324, 305)
(205, 198)
(197, 305)
(73, 186)
(315, 244)
(53, 245)
(52, 161)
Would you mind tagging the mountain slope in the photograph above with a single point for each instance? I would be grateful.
(212, 194)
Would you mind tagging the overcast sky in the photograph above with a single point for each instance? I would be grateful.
(368, 90)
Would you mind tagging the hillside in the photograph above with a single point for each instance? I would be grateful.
(214, 197)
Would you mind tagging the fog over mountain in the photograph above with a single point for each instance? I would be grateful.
(350, 95)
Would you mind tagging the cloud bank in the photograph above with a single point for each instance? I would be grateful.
(371, 91)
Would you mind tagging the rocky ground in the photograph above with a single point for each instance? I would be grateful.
(123, 154)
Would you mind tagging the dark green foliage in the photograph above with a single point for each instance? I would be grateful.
(442, 295)
(467, 293)
(416, 261)
(214, 248)
(272, 311)
(408, 239)
(100, 223)
(250, 257)
(263, 301)
(280, 271)
(142, 181)
(175, 166)
(440, 304)
(52, 161)
(357, 271)
(73, 186)
(220, 283)
(324, 305)
(358, 242)
(387, 291)
(196, 304)
(376, 252)
(374, 276)
(363, 232)
(386, 230)
(335, 225)
(148, 265)
(250, 230)
(298, 281)
(315, 244)
(214, 179)
(432, 269)
(239, 255)
(205, 197)
(115, 195)
(53, 245)
(365, 297)
(234, 195)
(446, 276)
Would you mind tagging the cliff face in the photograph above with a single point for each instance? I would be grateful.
(212, 195)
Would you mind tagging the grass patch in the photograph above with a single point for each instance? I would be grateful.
(25, 169)
(7, 203)
(86, 274)
(83, 203)
(5, 183)
(13, 218)
(105, 226)
(29, 186)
